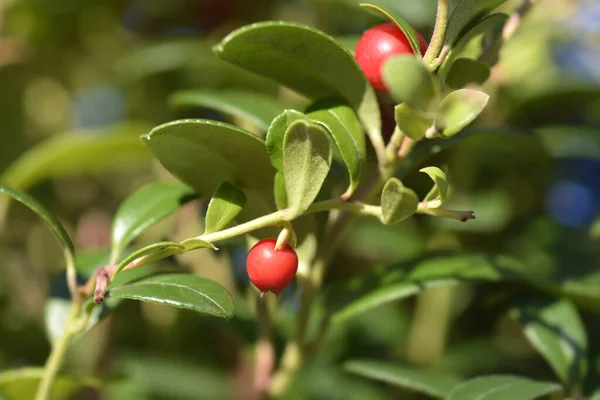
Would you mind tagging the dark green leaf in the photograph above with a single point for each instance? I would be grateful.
(142, 209)
(306, 163)
(77, 153)
(225, 205)
(206, 153)
(433, 383)
(466, 70)
(307, 61)
(274, 142)
(257, 108)
(499, 387)
(22, 383)
(459, 109)
(409, 81)
(465, 15)
(555, 329)
(397, 202)
(408, 31)
(341, 121)
(412, 122)
(180, 290)
(438, 194)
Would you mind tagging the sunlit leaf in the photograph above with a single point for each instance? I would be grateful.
(465, 15)
(412, 122)
(438, 194)
(494, 387)
(459, 109)
(224, 207)
(409, 81)
(397, 202)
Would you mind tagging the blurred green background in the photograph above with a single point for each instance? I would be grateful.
(81, 80)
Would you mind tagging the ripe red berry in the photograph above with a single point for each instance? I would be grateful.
(378, 44)
(271, 269)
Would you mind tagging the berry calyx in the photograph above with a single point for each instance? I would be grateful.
(378, 44)
(270, 269)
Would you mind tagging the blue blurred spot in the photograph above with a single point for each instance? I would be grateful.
(571, 203)
(238, 256)
(102, 105)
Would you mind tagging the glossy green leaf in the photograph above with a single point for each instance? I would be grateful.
(307, 61)
(465, 71)
(499, 387)
(459, 109)
(555, 329)
(397, 202)
(255, 107)
(76, 153)
(180, 290)
(411, 82)
(22, 383)
(465, 15)
(225, 205)
(355, 296)
(438, 194)
(274, 142)
(150, 253)
(143, 208)
(345, 128)
(206, 153)
(432, 383)
(408, 31)
(306, 163)
(412, 122)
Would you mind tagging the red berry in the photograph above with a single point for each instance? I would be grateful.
(271, 269)
(378, 44)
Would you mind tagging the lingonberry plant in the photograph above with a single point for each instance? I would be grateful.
(275, 189)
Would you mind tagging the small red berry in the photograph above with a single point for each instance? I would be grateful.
(378, 44)
(271, 269)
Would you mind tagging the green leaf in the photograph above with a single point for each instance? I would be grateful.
(152, 252)
(404, 26)
(180, 290)
(465, 15)
(412, 122)
(76, 153)
(306, 163)
(274, 142)
(56, 227)
(466, 70)
(499, 387)
(397, 202)
(432, 383)
(307, 61)
(225, 205)
(255, 107)
(22, 383)
(206, 153)
(555, 329)
(438, 194)
(343, 125)
(459, 109)
(142, 209)
(411, 82)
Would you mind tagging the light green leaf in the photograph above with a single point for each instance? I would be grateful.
(432, 383)
(404, 26)
(22, 383)
(180, 290)
(343, 125)
(225, 205)
(255, 107)
(459, 109)
(274, 142)
(438, 194)
(465, 15)
(142, 209)
(152, 252)
(206, 153)
(307, 61)
(466, 70)
(76, 153)
(409, 81)
(306, 163)
(499, 387)
(397, 202)
(555, 329)
(412, 122)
